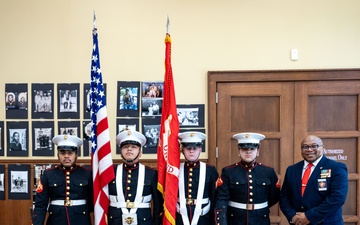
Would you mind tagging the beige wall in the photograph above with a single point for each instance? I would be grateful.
(50, 41)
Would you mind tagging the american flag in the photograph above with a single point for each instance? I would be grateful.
(101, 160)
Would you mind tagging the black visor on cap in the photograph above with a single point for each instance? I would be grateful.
(130, 142)
(192, 144)
(68, 148)
(248, 145)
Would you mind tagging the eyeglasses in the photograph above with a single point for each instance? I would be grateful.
(313, 147)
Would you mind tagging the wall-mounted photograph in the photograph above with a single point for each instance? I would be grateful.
(42, 101)
(16, 101)
(128, 99)
(191, 115)
(19, 181)
(68, 101)
(152, 89)
(151, 106)
(43, 132)
(17, 138)
(151, 131)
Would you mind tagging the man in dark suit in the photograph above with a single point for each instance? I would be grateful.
(65, 191)
(134, 197)
(323, 194)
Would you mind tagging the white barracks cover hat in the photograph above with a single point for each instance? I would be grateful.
(67, 142)
(249, 140)
(130, 137)
(191, 138)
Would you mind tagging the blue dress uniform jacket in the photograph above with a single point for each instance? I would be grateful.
(63, 184)
(191, 184)
(130, 175)
(321, 205)
(246, 184)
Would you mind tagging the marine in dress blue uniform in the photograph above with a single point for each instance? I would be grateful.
(66, 191)
(197, 183)
(325, 191)
(247, 189)
(134, 190)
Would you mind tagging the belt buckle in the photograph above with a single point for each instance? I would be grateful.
(189, 201)
(130, 205)
(129, 220)
(68, 202)
(249, 206)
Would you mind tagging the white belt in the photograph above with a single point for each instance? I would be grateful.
(248, 206)
(202, 211)
(68, 202)
(194, 201)
(130, 205)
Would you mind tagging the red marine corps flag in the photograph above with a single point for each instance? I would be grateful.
(101, 160)
(168, 149)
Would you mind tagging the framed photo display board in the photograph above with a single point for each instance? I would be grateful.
(42, 101)
(128, 98)
(68, 101)
(16, 101)
(17, 138)
(43, 132)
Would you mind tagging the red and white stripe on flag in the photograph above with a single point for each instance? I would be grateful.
(101, 159)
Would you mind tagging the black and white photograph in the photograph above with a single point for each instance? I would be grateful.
(128, 99)
(17, 138)
(68, 101)
(42, 134)
(42, 101)
(152, 89)
(151, 131)
(42, 138)
(1, 138)
(16, 101)
(70, 128)
(19, 181)
(126, 124)
(10, 101)
(151, 107)
(190, 115)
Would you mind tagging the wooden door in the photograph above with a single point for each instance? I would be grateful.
(286, 106)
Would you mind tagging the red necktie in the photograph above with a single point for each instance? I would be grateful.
(305, 178)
